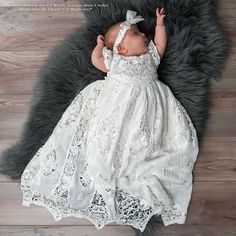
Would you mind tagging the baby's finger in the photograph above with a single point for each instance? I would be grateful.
(99, 39)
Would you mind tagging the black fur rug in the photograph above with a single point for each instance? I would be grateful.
(195, 53)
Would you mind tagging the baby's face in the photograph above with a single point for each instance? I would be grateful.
(135, 43)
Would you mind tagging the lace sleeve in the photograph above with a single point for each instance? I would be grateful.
(107, 54)
(153, 51)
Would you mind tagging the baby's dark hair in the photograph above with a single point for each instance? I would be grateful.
(109, 39)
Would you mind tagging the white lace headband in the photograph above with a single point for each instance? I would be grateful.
(131, 18)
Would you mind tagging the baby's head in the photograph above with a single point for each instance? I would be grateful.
(134, 42)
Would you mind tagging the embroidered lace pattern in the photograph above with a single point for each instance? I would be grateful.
(131, 210)
(107, 57)
(188, 130)
(50, 163)
(153, 51)
(84, 177)
(107, 129)
(117, 163)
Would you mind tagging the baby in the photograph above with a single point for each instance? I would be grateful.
(134, 43)
(125, 147)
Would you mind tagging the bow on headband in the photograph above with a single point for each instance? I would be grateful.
(131, 18)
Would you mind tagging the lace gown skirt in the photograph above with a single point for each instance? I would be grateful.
(119, 153)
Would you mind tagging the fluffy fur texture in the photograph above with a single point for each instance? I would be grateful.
(196, 51)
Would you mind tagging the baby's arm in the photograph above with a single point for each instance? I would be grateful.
(97, 57)
(160, 33)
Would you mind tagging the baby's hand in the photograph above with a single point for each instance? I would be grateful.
(160, 16)
(100, 39)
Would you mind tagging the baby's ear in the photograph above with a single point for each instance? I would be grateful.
(121, 49)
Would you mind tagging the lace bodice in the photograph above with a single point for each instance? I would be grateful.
(135, 68)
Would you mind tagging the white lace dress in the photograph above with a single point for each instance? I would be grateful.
(123, 151)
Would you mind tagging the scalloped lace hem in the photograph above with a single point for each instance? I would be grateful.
(58, 212)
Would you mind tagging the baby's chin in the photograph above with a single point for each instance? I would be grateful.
(138, 53)
(144, 50)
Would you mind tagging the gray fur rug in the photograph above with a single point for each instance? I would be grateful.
(195, 53)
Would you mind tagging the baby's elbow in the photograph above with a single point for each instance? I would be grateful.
(93, 60)
(100, 66)
(95, 63)
(161, 52)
